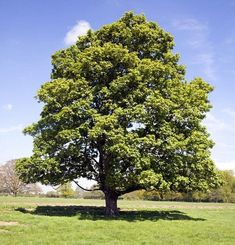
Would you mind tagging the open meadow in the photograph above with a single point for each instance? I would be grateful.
(31, 220)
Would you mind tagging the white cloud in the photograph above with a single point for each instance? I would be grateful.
(79, 29)
(207, 60)
(227, 146)
(230, 165)
(213, 123)
(8, 107)
(189, 25)
(11, 129)
(230, 112)
(198, 40)
(222, 132)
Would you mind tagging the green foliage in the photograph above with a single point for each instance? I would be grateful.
(66, 191)
(118, 110)
(224, 193)
(93, 195)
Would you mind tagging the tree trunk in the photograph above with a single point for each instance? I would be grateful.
(111, 203)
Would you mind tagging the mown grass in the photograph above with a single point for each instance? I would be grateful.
(77, 221)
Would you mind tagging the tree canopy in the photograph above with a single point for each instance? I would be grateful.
(119, 110)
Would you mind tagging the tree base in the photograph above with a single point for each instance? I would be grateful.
(111, 209)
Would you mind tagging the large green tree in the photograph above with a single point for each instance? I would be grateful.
(118, 110)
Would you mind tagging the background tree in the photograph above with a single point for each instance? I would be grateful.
(118, 110)
(32, 189)
(52, 194)
(226, 192)
(79, 192)
(66, 190)
(93, 193)
(10, 182)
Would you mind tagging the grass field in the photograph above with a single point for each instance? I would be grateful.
(76, 221)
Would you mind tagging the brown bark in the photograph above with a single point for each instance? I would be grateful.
(111, 203)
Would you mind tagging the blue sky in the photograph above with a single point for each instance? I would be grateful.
(31, 31)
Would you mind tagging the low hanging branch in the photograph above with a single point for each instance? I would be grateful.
(56, 188)
(85, 188)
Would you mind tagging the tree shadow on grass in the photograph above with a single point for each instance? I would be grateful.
(97, 213)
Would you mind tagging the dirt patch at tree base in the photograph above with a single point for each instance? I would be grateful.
(11, 223)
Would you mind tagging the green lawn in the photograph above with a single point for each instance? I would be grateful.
(77, 221)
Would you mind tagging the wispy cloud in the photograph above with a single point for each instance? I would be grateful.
(226, 146)
(207, 60)
(7, 107)
(230, 112)
(229, 165)
(222, 131)
(189, 25)
(223, 124)
(198, 40)
(77, 30)
(214, 124)
(12, 129)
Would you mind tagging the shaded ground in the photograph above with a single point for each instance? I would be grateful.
(123, 204)
(97, 213)
(81, 221)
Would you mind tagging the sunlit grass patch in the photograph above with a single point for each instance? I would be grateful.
(77, 221)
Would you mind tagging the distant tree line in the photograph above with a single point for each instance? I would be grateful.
(66, 191)
(10, 184)
(225, 193)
